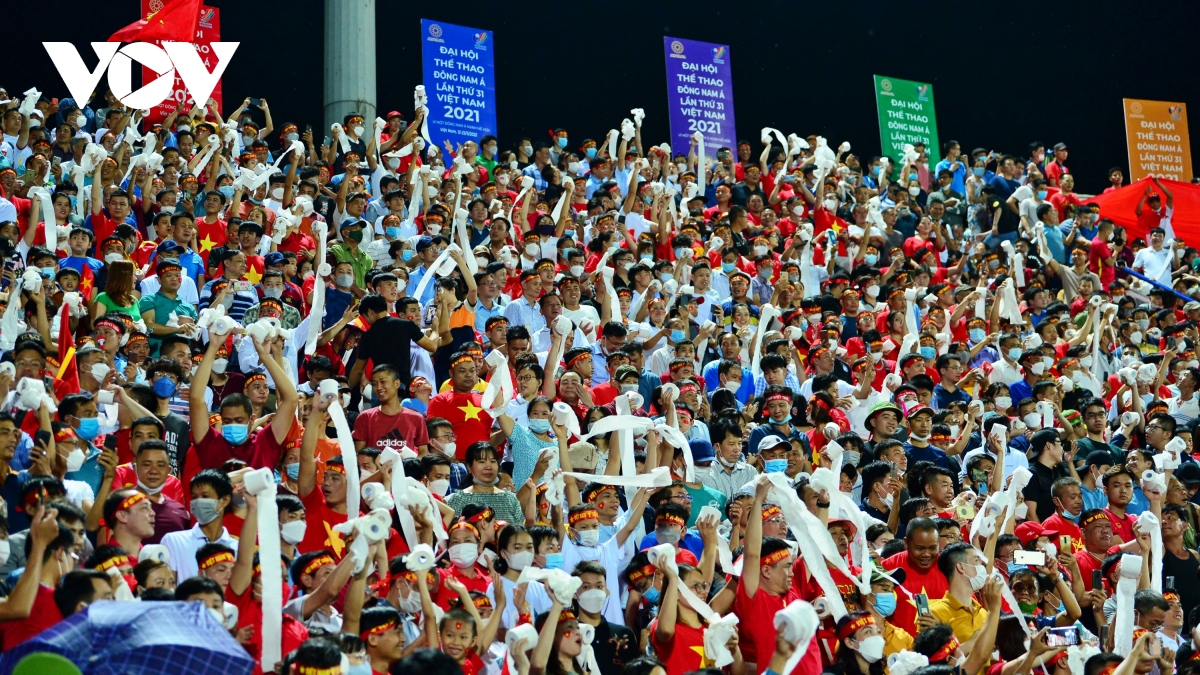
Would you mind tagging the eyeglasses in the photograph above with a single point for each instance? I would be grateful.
(525, 378)
(700, 588)
(683, 497)
(1154, 426)
(444, 438)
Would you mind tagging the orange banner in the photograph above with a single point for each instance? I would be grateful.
(1157, 133)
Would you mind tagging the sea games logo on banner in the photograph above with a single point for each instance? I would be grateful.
(165, 60)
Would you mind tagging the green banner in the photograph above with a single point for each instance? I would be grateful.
(906, 115)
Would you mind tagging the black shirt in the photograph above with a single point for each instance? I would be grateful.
(178, 437)
(615, 646)
(1038, 489)
(389, 340)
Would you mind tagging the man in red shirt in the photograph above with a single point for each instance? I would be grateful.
(765, 588)
(118, 209)
(1118, 485)
(1097, 538)
(1101, 256)
(31, 606)
(1068, 500)
(390, 425)
(211, 231)
(919, 561)
(462, 406)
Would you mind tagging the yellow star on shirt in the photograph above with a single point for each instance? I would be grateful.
(253, 276)
(333, 540)
(206, 244)
(705, 662)
(470, 412)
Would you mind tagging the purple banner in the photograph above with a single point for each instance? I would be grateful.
(700, 94)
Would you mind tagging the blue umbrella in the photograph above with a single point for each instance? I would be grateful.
(129, 638)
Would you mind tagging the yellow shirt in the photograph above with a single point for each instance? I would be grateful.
(966, 621)
(895, 640)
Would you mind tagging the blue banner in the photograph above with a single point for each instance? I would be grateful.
(459, 81)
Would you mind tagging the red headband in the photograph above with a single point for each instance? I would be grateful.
(317, 563)
(465, 358)
(1100, 515)
(668, 518)
(781, 554)
(585, 514)
(853, 627)
(486, 514)
(642, 573)
(779, 397)
(131, 501)
(578, 358)
(945, 652)
(770, 511)
(115, 561)
(220, 557)
(464, 525)
(376, 631)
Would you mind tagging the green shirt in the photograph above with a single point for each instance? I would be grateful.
(361, 262)
(162, 306)
(1085, 446)
(112, 306)
(701, 497)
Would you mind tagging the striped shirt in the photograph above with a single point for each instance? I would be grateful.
(728, 483)
(242, 300)
(505, 504)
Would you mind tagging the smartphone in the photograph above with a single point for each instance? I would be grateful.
(1155, 647)
(922, 601)
(42, 437)
(979, 475)
(255, 101)
(1064, 543)
(1170, 584)
(1097, 580)
(56, 161)
(1067, 636)
(327, 142)
(308, 128)
(1033, 558)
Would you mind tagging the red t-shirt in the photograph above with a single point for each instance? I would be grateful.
(684, 652)
(604, 393)
(44, 615)
(103, 227)
(319, 534)
(1097, 253)
(464, 411)
(756, 630)
(298, 243)
(478, 583)
(250, 614)
(1088, 563)
(1055, 172)
(1064, 526)
(210, 236)
(262, 450)
(382, 431)
(1122, 527)
(930, 582)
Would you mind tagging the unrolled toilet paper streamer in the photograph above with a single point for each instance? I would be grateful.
(499, 382)
(437, 270)
(588, 655)
(766, 315)
(658, 477)
(346, 442)
(261, 484)
(1148, 523)
(561, 584)
(400, 492)
(318, 307)
(701, 160)
(813, 541)
(1131, 569)
(798, 623)
(719, 629)
(1020, 478)
(824, 478)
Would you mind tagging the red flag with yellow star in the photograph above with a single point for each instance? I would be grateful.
(255, 266)
(66, 379)
(174, 22)
(210, 236)
(87, 282)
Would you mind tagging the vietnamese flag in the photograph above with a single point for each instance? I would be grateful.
(175, 22)
(66, 380)
(87, 282)
(210, 236)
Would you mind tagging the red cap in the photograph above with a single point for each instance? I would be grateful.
(394, 113)
(1029, 531)
(851, 530)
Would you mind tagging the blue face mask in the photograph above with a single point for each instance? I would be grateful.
(226, 190)
(978, 171)
(928, 352)
(1014, 353)
(646, 256)
(293, 470)
(728, 267)
(236, 434)
(591, 153)
(363, 668)
(775, 465)
(554, 561)
(562, 142)
(651, 595)
(392, 232)
(870, 258)
(977, 335)
(1013, 567)
(678, 336)
(539, 426)
(407, 254)
(1041, 194)
(164, 387)
(73, 201)
(875, 170)
(912, 176)
(89, 428)
(885, 603)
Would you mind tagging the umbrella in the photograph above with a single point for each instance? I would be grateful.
(1120, 207)
(127, 638)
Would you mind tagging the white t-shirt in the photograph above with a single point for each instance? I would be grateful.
(1156, 264)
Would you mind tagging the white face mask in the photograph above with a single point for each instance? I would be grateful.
(873, 290)
(1003, 403)
(277, 194)
(75, 460)
(5, 550)
(410, 604)
(532, 249)
(1038, 368)
(113, 257)
(502, 179)
(100, 371)
(219, 366)
(573, 167)
(448, 449)
(914, 190)
(1136, 337)
(521, 560)
(293, 532)
(760, 251)
(702, 473)
(577, 271)
(464, 555)
(1033, 420)
(980, 577)
(871, 649)
(358, 131)
(589, 538)
(798, 210)
(593, 601)
(831, 204)
(439, 487)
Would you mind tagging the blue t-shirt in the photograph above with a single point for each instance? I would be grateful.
(1004, 186)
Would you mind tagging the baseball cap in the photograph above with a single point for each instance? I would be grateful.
(274, 258)
(917, 410)
(165, 264)
(424, 243)
(769, 442)
(702, 450)
(1104, 458)
(394, 113)
(1060, 146)
(1029, 531)
(1188, 473)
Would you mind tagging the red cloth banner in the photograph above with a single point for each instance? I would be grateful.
(207, 30)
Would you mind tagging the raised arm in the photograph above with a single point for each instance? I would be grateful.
(243, 568)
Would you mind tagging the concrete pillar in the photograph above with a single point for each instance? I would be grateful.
(349, 61)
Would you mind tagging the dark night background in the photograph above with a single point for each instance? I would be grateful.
(1003, 74)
